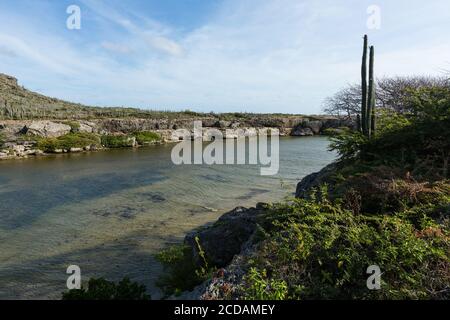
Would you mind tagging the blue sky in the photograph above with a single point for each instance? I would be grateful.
(215, 55)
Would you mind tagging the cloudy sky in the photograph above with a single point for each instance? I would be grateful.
(216, 55)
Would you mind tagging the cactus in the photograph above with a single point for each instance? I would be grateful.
(371, 94)
(367, 119)
(364, 87)
(372, 91)
(358, 123)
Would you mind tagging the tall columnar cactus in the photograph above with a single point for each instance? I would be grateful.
(371, 95)
(368, 98)
(364, 87)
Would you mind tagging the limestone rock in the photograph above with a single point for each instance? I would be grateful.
(47, 129)
(300, 132)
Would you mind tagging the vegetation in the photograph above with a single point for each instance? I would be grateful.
(321, 250)
(366, 121)
(71, 140)
(182, 271)
(147, 137)
(101, 289)
(117, 141)
(391, 95)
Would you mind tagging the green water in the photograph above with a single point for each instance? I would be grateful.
(109, 212)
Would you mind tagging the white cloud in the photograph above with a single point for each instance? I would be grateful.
(165, 45)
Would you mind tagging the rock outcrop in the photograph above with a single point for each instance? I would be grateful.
(314, 180)
(225, 238)
(47, 129)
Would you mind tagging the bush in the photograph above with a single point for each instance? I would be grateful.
(147, 137)
(114, 141)
(71, 140)
(321, 251)
(101, 289)
(418, 142)
(258, 287)
(181, 271)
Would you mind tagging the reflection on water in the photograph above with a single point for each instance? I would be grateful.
(109, 212)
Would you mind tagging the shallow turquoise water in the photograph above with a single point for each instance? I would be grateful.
(110, 211)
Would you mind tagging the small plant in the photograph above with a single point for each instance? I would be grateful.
(181, 270)
(259, 287)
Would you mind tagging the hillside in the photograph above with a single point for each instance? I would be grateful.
(18, 103)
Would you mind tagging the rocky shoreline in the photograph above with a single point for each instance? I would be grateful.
(229, 242)
(18, 138)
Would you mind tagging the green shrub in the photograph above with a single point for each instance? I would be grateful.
(101, 289)
(321, 251)
(147, 137)
(181, 270)
(71, 140)
(2, 140)
(258, 287)
(116, 141)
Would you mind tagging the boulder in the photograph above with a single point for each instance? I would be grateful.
(225, 238)
(19, 150)
(300, 132)
(315, 126)
(47, 129)
(223, 124)
(87, 127)
(313, 180)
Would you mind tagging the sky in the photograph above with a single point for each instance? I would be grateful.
(262, 56)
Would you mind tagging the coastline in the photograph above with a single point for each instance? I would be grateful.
(23, 139)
